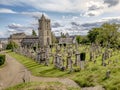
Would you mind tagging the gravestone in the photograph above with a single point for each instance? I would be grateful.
(82, 58)
(108, 74)
(38, 57)
(91, 56)
(103, 59)
(69, 62)
(77, 59)
(42, 55)
(58, 61)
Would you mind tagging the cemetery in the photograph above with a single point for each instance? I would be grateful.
(60, 45)
(89, 62)
(88, 65)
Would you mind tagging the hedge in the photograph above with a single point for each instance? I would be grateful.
(2, 59)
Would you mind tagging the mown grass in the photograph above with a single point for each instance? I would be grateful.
(41, 86)
(37, 69)
(92, 75)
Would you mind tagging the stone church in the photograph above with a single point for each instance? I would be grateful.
(43, 39)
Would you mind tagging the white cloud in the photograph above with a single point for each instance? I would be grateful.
(17, 28)
(95, 8)
(36, 15)
(5, 10)
(50, 5)
(11, 30)
(111, 18)
(74, 27)
(88, 7)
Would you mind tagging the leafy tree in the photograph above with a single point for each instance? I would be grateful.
(34, 33)
(11, 45)
(82, 39)
(63, 35)
(78, 39)
(54, 40)
(106, 35)
(92, 34)
(85, 40)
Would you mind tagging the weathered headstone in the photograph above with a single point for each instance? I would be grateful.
(77, 59)
(69, 61)
(108, 74)
(82, 58)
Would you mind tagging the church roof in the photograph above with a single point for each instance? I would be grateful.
(31, 37)
(18, 35)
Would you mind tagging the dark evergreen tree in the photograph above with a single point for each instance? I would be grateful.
(34, 33)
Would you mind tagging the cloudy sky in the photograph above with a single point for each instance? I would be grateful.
(72, 16)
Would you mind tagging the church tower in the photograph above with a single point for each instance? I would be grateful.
(44, 32)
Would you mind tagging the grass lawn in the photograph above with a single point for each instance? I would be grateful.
(37, 69)
(41, 86)
(92, 75)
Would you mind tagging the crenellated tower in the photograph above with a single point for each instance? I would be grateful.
(44, 32)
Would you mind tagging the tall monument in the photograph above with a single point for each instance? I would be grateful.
(44, 32)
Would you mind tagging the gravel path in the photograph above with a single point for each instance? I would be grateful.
(14, 73)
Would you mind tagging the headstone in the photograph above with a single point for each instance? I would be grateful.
(42, 55)
(58, 61)
(77, 59)
(69, 61)
(82, 58)
(108, 74)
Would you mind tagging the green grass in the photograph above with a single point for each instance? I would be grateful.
(41, 86)
(37, 69)
(92, 75)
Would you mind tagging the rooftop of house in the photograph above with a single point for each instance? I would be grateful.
(18, 35)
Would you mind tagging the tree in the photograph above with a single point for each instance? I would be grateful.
(78, 39)
(85, 40)
(54, 40)
(63, 35)
(34, 33)
(82, 39)
(11, 45)
(106, 35)
(92, 34)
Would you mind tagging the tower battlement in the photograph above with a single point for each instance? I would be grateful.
(44, 31)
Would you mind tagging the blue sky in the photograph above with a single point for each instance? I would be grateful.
(68, 16)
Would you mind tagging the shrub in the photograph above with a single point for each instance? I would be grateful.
(2, 59)
(11, 45)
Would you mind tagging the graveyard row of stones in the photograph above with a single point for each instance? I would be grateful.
(43, 55)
